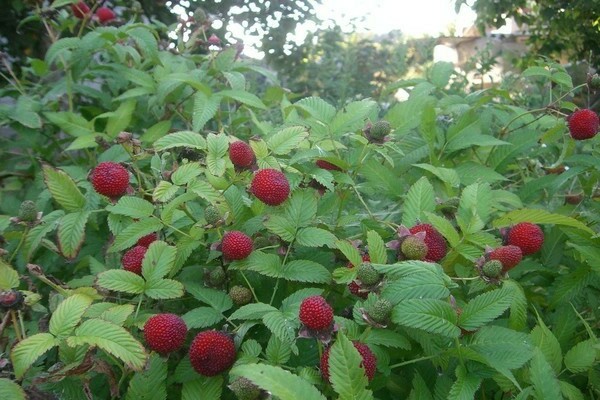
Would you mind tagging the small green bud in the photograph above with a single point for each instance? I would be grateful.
(240, 295)
(367, 274)
(212, 215)
(244, 389)
(217, 276)
(28, 211)
(380, 310)
(414, 248)
(492, 268)
(380, 129)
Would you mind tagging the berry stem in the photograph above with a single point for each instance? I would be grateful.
(416, 360)
(23, 236)
(13, 315)
(139, 304)
(22, 324)
(250, 287)
(287, 253)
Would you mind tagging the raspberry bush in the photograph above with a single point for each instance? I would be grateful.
(194, 232)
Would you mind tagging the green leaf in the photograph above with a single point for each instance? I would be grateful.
(164, 191)
(37, 233)
(287, 139)
(543, 378)
(158, 261)
(545, 340)
(317, 108)
(145, 40)
(444, 227)
(277, 352)
(205, 108)
(252, 311)
(518, 308)
(279, 382)
(149, 384)
(536, 71)
(538, 216)
(60, 47)
(347, 376)
(485, 308)
(570, 392)
(203, 388)
(117, 314)
(71, 233)
(164, 289)
(10, 390)
(465, 386)
(306, 271)
(244, 97)
(264, 264)
(111, 338)
(215, 298)
(283, 325)
(282, 227)
(377, 252)
(422, 285)
(133, 207)
(9, 277)
(202, 317)
(315, 237)
(181, 139)
(301, 208)
(63, 189)
(581, 357)
(446, 175)
(27, 351)
(430, 315)
(440, 73)
(349, 251)
(68, 314)
(420, 199)
(121, 281)
(71, 123)
(156, 131)
(185, 173)
(502, 348)
(217, 146)
(129, 236)
(120, 118)
(353, 116)
(388, 338)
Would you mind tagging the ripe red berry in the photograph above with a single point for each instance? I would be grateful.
(236, 245)
(105, 14)
(583, 124)
(212, 352)
(327, 165)
(529, 237)
(132, 259)
(509, 256)
(241, 154)
(147, 240)
(315, 313)
(436, 244)
(165, 333)
(270, 186)
(110, 179)
(369, 361)
(80, 10)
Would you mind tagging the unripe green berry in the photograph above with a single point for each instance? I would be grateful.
(28, 211)
(240, 295)
(244, 389)
(492, 268)
(380, 129)
(414, 248)
(380, 310)
(217, 276)
(367, 274)
(212, 215)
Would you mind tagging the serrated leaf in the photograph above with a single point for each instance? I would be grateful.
(203, 388)
(133, 207)
(214, 298)
(71, 123)
(353, 116)
(164, 289)
(301, 209)
(485, 308)
(264, 264)
(542, 377)
(217, 146)
(121, 281)
(279, 382)
(277, 351)
(430, 315)
(581, 357)
(244, 97)
(149, 384)
(185, 173)
(518, 308)
(282, 325)
(189, 139)
(9, 277)
(36, 234)
(287, 139)
(346, 373)
(446, 175)
(117, 314)
(205, 191)
(444, 227)
(63, 189)
(158, 261)
(305, 271)
(111, 338)
(164, 191)
(145, 40)
(281, 227)
(420, 199)
(349, 251)
(317, 108)
(539, 216)
(71, 233)
(315, 237)
(204, 109)
(388, 338)
(120, 118)
(422, 285)
(202, 317)
(129, 236)
(570, 392)
(68, 314)
(252, 311)
(10, 390)
(545, 340)
(377, 252)
(502, 348)
(27, 351)
(465, 386)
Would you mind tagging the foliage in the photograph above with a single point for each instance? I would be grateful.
(469, 164)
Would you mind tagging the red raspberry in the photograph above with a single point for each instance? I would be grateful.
(105, 14)
(165, 333)
(212, 352)
(132, 259)
(509, 256)
(529, 237)
(241, 154)
(436, 244)
(110, 179)
(236, 245)
(327, 165)
(315, 313)
(270, 186)
(369, 361)
(147, 240)
(583, 124)
(353, 286)
(80, 10)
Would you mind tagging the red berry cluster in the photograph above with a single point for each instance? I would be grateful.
(81, 10)
(436, 244)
